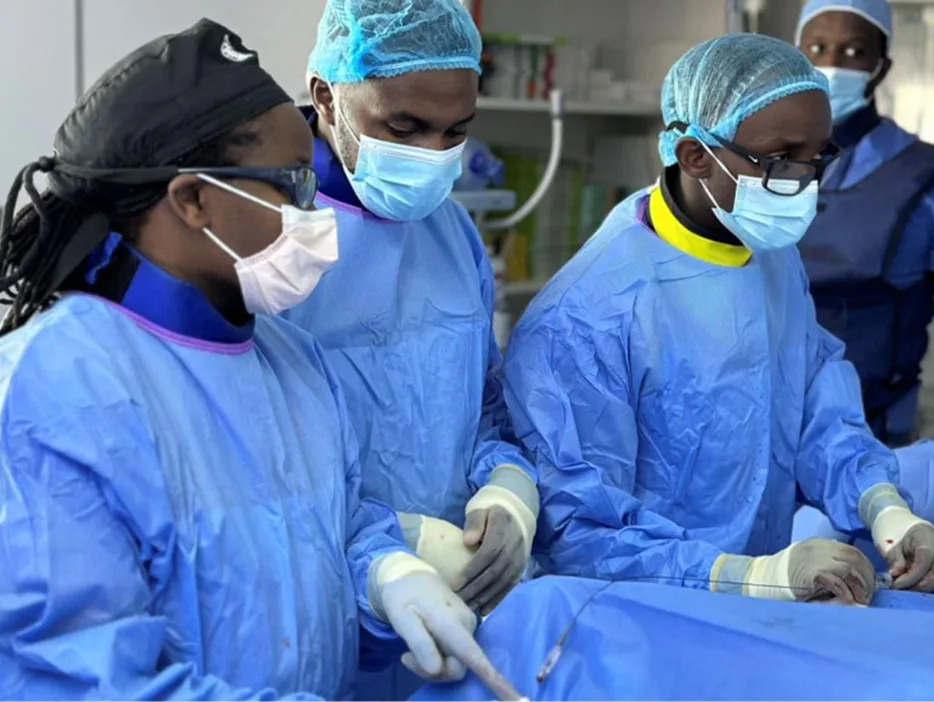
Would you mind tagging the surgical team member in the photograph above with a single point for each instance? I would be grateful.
(405, 317)
(179, 478)
(672, 382)
(870, 253)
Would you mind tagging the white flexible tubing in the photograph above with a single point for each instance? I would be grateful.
(554, 159)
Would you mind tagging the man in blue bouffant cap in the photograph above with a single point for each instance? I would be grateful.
(405, 317)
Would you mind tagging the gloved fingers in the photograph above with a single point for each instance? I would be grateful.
(408, 660)
(475, 527)
(858, 574)
(920, 560)
(451, 671)
(898, 564)
(862, 591)
(491, 565)
(459, 643)
(926, 584)
(454, 669)
(832, 584)
(422, 647)
(910, 579)
(497, 564)
(490, 600)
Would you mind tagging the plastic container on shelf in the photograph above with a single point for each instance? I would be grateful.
(518, 66)
(481, 169)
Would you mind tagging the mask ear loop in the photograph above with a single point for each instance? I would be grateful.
(342, 116)
(726, 170)
(237, 191)
(221, 245)
(338, 110)
(246, 196)
(872, 76)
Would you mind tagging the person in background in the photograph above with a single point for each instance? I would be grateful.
(405, 317)
(870, 253)
(672, 383)
(179, 477)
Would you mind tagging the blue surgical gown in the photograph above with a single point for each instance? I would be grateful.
(180, 518)
(405, 319)
(674, 407)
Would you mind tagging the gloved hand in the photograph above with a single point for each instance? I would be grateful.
(437, 542)
(500, 525)
(906, 541)
(820, 569)
(809, 570)
(911, 560)
(435, 624)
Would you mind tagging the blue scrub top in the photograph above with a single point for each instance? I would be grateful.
(405, 319)
(674, 407)
(169, 531)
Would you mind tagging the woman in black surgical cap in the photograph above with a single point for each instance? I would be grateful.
(179, 484)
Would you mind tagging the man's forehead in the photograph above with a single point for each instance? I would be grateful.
(795, 120)
(428, 95)
(852, 24)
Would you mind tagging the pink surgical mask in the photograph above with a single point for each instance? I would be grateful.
(286, 272)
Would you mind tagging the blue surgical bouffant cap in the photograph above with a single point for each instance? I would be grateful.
(719, 84)
(361, 39)
(876, 12)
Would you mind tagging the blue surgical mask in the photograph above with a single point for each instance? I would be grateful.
(399, 182)
(847, 91)
(763, 220)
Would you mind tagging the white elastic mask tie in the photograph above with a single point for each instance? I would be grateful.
(286, 272)
(761, 219)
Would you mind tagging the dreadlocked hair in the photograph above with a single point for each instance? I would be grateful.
(32, 241)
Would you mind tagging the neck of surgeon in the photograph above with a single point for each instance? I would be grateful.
(691, 207)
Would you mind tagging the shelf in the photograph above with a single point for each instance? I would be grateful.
(481, 201)
(571, 107)
(524, 287)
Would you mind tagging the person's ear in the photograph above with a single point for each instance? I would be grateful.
(186, 198)
(885, 65)
(322, 98)
(693, 159)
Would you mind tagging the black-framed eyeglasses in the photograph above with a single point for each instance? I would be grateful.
(783, 176)
(299, 183)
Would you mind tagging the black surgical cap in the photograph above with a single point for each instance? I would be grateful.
(156, 105)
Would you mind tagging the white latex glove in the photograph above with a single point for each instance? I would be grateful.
(816, 569)
(500, 526)
(435, 624)
(437, 542)
(904, 539)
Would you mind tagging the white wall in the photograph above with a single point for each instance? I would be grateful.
(37, 80)
(37, 54)
(282, 31)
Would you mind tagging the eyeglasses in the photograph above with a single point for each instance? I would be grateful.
(783, 176)
(299, 183)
